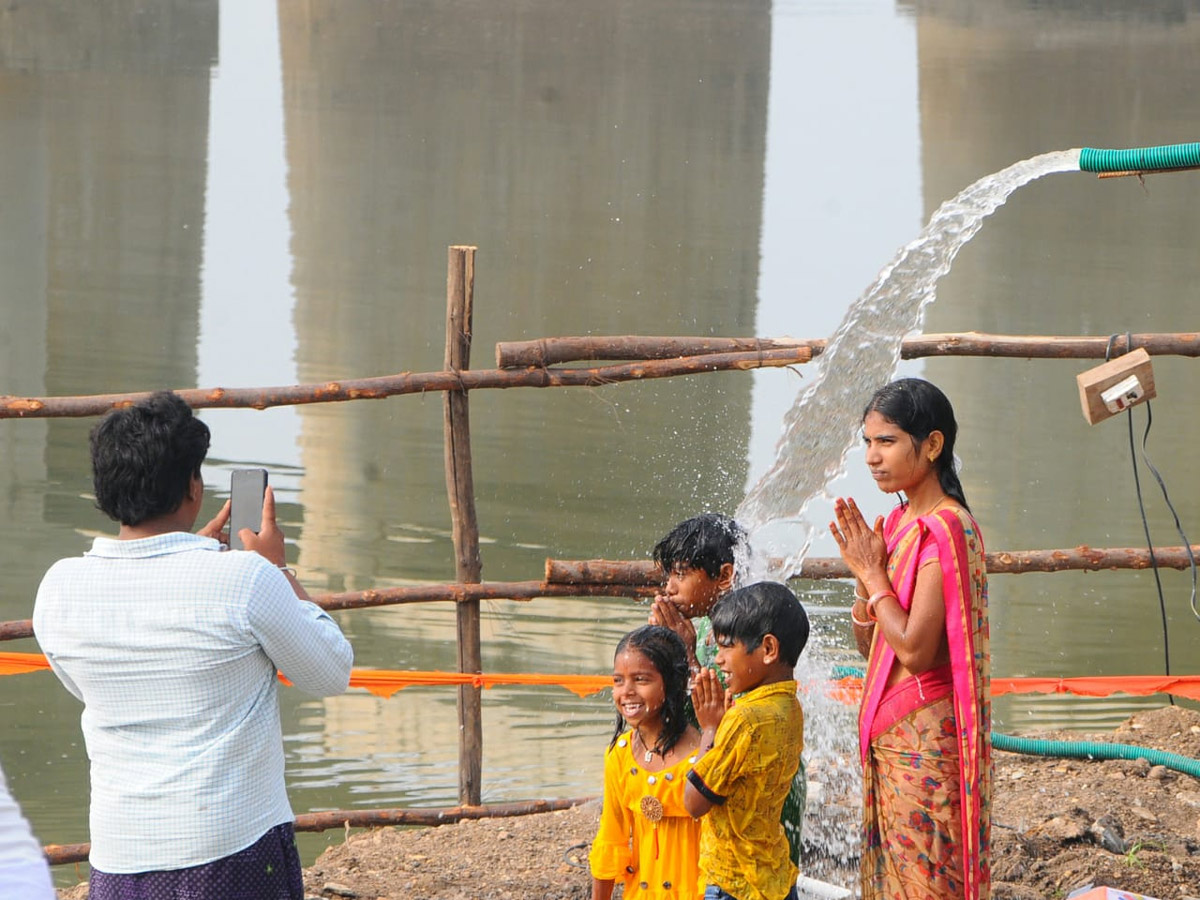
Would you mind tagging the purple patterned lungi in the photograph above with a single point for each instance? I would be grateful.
(269, 869)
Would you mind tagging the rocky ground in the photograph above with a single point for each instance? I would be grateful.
(1060, 825)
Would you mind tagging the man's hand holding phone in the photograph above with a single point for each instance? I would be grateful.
(268, 542)
(252, 523)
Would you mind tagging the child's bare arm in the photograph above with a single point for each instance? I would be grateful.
(602, 888)
(694, 802)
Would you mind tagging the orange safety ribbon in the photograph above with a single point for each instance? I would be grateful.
(1138, 685)
(19, 663)
(382, 682)
(386, 682)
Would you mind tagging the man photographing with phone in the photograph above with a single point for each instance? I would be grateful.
(172, 643)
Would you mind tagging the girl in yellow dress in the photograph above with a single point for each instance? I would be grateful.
(646, 839)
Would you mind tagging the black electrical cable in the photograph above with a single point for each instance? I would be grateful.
(1187, 546)
(1137, 483)
(1162, 605)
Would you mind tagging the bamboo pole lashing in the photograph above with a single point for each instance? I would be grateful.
(559, 350)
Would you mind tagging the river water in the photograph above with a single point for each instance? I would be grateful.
(203, 194)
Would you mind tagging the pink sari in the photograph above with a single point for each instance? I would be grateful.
(926, 742)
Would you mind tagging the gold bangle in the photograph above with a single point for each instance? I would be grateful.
(857, 621)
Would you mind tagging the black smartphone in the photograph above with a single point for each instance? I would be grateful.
(246, 489)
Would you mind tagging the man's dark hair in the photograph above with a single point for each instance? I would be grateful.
(144, 457)
(751, 613)
(705, 542)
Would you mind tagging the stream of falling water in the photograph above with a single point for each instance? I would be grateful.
(819, 430)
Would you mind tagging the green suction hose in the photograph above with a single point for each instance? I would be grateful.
(1094, 750)
(1143, 159)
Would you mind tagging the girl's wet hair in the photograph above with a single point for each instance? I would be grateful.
(919, 408)
(707, 542)
(666, 652)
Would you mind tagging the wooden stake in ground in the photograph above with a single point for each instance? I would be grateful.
(460, 487)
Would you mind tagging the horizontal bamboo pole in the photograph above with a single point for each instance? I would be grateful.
(640, 578)
(63, 854)
(639, 573)
(427, 593)
(15, 630)
(553, 351)
(662, 358)
(406, 383)
(1088, 559)
(461, 593)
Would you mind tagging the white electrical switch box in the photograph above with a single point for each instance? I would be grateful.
(1122, 395)
(1116, 385)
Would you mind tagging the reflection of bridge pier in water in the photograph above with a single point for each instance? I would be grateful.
(578, 136)
(113, 249)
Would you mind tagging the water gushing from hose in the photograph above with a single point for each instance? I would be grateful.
(819, 431)
(823, 423)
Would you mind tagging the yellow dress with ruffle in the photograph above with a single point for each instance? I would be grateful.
(646, 839)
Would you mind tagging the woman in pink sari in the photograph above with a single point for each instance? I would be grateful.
(920, 619)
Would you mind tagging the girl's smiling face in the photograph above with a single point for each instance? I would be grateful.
(638, 690)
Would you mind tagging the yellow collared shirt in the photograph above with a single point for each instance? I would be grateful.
(755, 755)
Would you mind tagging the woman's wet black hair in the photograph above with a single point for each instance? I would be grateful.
(749, 614)
(665, 651)
(145, 456)
(706, 541)
(919, 408)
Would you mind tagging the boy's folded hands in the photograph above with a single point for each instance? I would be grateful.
(710, 700)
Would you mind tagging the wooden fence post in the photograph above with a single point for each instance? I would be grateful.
(460, 487)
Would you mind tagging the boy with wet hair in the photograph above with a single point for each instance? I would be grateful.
(749, 746)
(707, 541)
(698, 558)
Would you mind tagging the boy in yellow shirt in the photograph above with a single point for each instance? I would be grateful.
(749, 748)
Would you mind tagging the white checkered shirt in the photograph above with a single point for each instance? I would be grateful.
(23, 871)
(172, 645)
